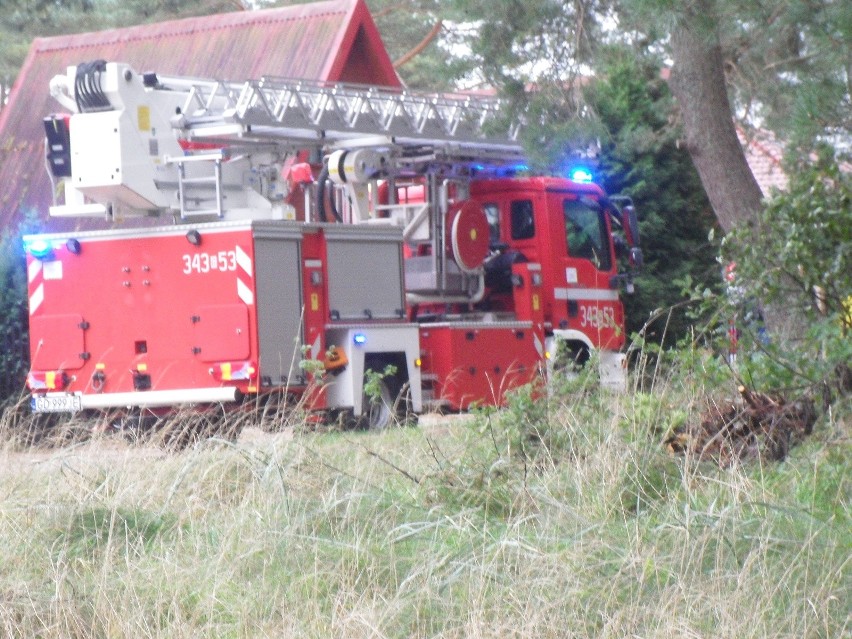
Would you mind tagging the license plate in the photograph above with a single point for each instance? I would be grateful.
(56, 403)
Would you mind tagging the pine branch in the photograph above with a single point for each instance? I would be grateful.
(413, 53)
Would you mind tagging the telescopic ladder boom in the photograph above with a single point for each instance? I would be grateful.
(316, 113)
(145, 142)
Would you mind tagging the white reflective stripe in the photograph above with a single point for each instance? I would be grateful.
(36, 298)
(244, 292)
(33, 270)
(244, 261)
(594, 294)
(313, 263)
(315, 347)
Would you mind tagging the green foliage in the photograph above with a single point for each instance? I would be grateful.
(532, 41)
(537, 428)
(14, 342)
(651, 417)
(792, 65)
(655, 479)
(799, 255)
(22, 20)
(802, 241)
(641, 157)
(375, 380)
(404, 26)
(787, 63)
(433, 531)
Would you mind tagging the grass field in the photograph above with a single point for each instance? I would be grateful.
(560, 517)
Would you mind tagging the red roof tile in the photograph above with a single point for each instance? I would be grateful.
(764, 154)
(332, 40)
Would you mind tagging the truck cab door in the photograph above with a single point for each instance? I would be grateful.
(584, 299)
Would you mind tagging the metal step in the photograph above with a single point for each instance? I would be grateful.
(214, 182)
(427, 394)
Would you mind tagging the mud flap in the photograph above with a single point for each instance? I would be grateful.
(613, 371)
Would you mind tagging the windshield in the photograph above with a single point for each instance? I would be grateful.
(585, 231)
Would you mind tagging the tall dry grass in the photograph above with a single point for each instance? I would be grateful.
(558, 517)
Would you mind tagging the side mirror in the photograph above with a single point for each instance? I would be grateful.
(631, 225)
(636, 258)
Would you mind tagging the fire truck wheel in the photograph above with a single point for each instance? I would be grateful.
(388, 405)
(378, 409)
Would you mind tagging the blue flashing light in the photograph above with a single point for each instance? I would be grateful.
(359, 338)
(581, 175)
(40, 249)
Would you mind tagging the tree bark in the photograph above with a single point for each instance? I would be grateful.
(698, 84)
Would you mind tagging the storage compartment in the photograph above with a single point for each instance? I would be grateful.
(278, 278)
(59, 342)
(220, 332)
(474, 362)
(364, 273)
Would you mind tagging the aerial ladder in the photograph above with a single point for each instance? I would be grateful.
(177, 119)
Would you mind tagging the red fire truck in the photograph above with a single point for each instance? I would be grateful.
(273, 236)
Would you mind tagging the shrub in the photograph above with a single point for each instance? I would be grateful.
(14, 342)
(796, 261)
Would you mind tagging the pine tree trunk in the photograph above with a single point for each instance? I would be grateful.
(698, 84)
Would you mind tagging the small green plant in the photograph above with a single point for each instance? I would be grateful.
(374, 382)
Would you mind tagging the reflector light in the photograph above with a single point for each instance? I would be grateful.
(233, 371)
(359, 338)
(48, 380)
(36, 381)
(581, 175)
(40, 249)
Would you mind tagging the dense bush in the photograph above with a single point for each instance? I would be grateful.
(795, 261)
(14, 343)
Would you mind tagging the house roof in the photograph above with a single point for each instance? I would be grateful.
(764, 154)
(334, 40)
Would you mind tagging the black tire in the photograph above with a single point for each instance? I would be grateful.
(377, 413)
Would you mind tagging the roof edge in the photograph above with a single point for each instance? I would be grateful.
(359, 16)
(185, 26)
(22, 73)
